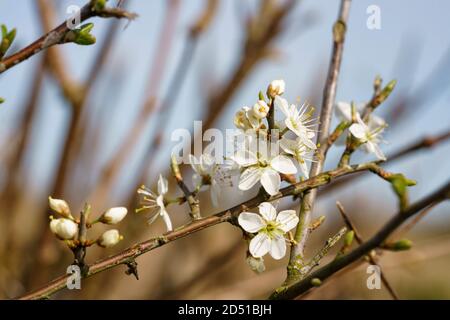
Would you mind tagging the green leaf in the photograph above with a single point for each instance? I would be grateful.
(4, 31)
(2, 100)
(348, 239)
(261, 96)
(83, 36)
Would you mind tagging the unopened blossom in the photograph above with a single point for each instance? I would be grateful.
(256, 264)
(63, 228)
(262, 166)
(60, 206)
(270, 229)
(245, 119)
(114, 215)
(109, 238)
(369, 137)
(299, 152)
(206, 173)
(155, 202)
(260, 109)
(298, 121)
(276, 88)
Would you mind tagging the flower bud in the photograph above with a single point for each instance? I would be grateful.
(63, 228)
(256, 264)
(260, 109)
(60, 206)
(114, 215)
(400, 245)
(109, 238)
(276, 88)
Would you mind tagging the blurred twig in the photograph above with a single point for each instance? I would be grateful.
(197, 225)
(370, 257)
(298, 288)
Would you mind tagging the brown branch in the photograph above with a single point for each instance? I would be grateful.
(370, 257)
(422, 144)
(298, 288)
(329, 94)
(58, 35)
(197, 225)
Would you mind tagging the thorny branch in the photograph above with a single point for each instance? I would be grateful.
(297, 288)
(229, 215)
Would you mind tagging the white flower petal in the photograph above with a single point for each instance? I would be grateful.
(308, 142)
(344, 111)
(283, 164)
(304, 169)
(268, 211)
(288, 220)
(249, 178)
(215, 193)
(163, 185)
(278, 247)
(288, 145)
(283, 105)
(270, 180)
(251, 222)
(377, 150)
(166, 218)
(245, 158)
(358, 131)
(260, 245)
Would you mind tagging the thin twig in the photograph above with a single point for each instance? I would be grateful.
(329, 94)
(298, 288)
(57, 35)
(197, 225)
(360, 241)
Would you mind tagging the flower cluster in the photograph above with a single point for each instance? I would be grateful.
(274, 142)
(67, 228)
(368, 134)
(258, 155)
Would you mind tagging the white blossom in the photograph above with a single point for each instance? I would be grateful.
(298, 121)
(299, 151)
(63, 228)
(260, 109)
(344, 113)
(60, 206)
(114, 215)
(245, 119)
(207, 173)
(270, 229)
(370, 137)
(155, 202)
(276, 88)
(262, 165)
(109, 238)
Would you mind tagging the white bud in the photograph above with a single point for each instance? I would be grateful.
(240, 120)
(256, 264)
(114, 215)
(109, 238)
(260, 109)
(276, 88)
(63, 228)
(60, 206)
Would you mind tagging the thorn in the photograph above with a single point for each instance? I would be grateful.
(132, 269)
